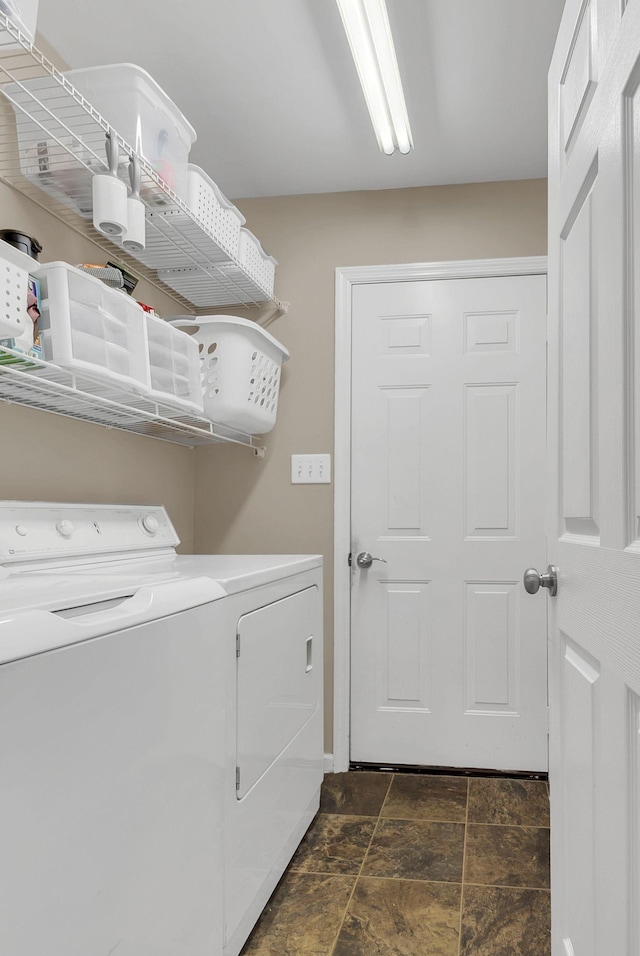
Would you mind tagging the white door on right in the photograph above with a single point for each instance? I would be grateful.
(594, 429)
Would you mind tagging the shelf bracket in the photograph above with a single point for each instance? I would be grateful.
(280, 309)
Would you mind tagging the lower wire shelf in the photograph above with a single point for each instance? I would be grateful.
(32, 382)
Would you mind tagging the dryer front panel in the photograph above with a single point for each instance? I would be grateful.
(279, 682)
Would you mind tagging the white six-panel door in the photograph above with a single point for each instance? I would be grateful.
(448, 653)
(594, 434)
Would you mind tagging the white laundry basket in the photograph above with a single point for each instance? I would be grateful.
(211, 207)
(240, 365)
(15, 267)
(255, 261)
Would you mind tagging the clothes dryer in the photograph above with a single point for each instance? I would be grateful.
(274, 733)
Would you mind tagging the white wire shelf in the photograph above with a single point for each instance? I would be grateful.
(51, 145)
(37, 384)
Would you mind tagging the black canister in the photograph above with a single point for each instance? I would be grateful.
(26, 244)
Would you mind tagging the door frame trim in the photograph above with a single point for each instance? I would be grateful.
(346, 279)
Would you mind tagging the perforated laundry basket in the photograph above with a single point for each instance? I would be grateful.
(252, 257)
(240, 365)
(211, 207)
(14, 278)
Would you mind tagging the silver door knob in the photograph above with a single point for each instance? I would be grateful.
(533, 580)
(365, 560)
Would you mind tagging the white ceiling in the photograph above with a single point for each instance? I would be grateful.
(271, 89)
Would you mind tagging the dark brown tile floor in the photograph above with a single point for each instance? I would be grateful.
(416, 865)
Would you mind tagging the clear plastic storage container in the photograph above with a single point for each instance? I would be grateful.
(141, 112)
(240, 365)
(54, 161)
(174, 366)
(60, 150)
(211, 207)
(255, 261)
(89, 327)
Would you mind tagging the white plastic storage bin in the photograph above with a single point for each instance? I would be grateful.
(85, 326)
(211, 207)
(141, 112)
(23, 15)
(256, 262)
(240, 365)
(174, 366)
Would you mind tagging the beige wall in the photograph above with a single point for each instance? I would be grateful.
(240, 503)
(249, 505)
(50, 458)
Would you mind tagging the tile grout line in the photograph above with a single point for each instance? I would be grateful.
(514, 826)
(464, 860)
(355, 882)
(473, 823)
(510, 886)
(408, 879)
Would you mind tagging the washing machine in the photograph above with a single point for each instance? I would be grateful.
(160, 732)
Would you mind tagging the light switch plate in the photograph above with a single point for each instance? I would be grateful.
(311, 469)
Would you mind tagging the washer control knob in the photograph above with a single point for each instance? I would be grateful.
(21, 530)
(65, 528)
(150, 524)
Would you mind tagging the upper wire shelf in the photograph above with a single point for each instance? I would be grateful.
(52, 144)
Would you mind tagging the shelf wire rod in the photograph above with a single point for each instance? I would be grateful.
(14, 34)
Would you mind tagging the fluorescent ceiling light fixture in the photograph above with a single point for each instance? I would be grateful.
(366, 24)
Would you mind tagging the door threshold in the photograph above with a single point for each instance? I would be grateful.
(450, 771)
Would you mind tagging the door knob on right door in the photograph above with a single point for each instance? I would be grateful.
(533, 580)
